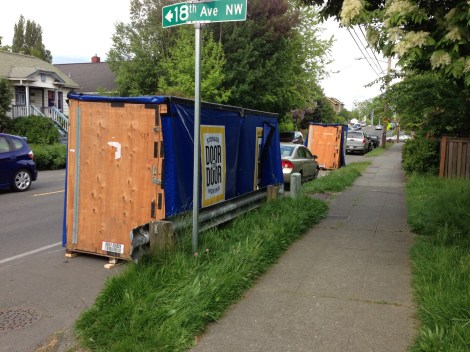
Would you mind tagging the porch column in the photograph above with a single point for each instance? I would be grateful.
(56, 98)
(28, 104)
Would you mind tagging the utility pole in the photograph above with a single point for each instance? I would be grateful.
(386, 110)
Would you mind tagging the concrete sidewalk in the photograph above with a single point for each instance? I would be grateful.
(344, 286)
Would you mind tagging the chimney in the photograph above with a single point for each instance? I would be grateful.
(95, 59)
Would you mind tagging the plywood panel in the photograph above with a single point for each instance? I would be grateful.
(119, 175)
(325, 142)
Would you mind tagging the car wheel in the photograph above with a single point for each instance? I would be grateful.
(22, 180)
(317, 171)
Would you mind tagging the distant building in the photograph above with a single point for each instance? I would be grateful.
(39, 87)
(335, 104)
(91, 76)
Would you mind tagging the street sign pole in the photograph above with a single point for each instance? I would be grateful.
(197, 118)
(197, 12)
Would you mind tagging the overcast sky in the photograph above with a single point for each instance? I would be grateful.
(75, 31)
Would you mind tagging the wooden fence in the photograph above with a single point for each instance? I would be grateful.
(455, 158)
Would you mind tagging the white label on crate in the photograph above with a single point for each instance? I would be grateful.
(117, 152)
(112, 247)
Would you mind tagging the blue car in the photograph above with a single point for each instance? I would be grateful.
(17, 167)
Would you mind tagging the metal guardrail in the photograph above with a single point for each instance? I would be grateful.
(209, 217)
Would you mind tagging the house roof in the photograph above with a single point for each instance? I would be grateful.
(23, 67)
(335, 101)
(90, 76)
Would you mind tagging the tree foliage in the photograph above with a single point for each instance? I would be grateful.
(431, 105)
(27, 39)
(180, 67)
(139, 48)
(6, 95)
(424, 34)
(274, 58)
(271, 61)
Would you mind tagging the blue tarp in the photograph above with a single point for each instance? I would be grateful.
(239, 150)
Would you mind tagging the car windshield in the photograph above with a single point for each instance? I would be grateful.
(286, 150)
(287, 135)
(354, 135)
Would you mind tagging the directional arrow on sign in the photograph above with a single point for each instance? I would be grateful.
(169, 16)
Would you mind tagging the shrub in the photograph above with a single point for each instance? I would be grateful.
(421, 156)
(38, 129)
(49, 157)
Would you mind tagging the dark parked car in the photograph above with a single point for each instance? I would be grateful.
(297, 158)
(375, 140)
(292, 137)
(17, 166)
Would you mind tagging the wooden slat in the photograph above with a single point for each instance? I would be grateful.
(443, 156)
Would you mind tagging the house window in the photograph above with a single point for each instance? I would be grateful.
(20, 96)
(43, 77)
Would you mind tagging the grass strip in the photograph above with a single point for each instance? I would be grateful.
(164, 301)
(439, 212)
(338, 180)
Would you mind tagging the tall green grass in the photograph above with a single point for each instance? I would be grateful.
(164, 301)
(439, 212)
(336, 181)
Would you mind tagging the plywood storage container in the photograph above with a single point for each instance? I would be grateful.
(327, 142)
(130, 163)
(114, 153)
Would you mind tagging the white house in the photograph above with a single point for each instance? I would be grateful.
(39, 87)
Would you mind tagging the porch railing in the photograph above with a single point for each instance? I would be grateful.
(51, 112)
(60, 119)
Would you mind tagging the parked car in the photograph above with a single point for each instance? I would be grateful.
(357, 141)
(375, 140)
(401, 138)
(357, 127)
(378, 127)
(297, 158)
(363, 124)
(17, 167)
(292, 137)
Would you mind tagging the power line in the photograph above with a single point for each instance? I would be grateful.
(365, 56)
(373, 52)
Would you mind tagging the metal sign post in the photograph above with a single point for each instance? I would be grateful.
(197, 122)
(197, 12)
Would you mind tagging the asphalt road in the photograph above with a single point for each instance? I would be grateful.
(42, 291)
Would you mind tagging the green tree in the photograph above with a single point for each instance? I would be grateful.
(140, 47)
(27, 39)
(273, 57)
(431, 105)
(6, 96)
(323, 113)
(424, 34)
(180, 66)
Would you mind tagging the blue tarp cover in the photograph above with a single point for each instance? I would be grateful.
(239, 150)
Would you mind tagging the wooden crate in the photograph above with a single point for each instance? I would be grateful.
(325, 142)
(114, 175)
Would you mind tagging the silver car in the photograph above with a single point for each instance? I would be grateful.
(297, 158)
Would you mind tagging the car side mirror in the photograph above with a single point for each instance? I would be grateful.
(314, 157)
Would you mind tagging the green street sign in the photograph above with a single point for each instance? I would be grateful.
(213, 11)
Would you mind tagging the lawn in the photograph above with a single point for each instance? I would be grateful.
(439, 213)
